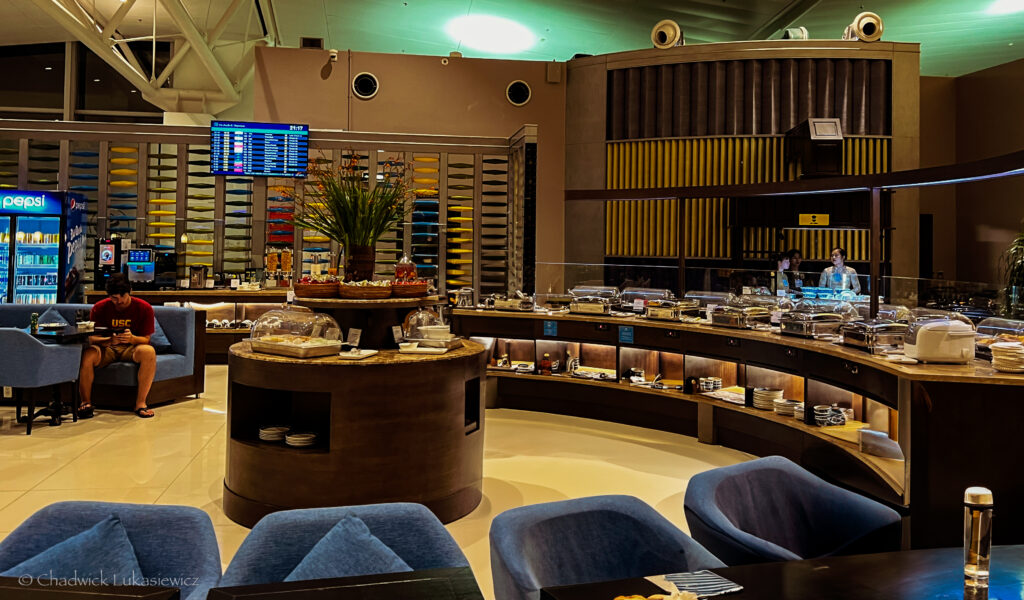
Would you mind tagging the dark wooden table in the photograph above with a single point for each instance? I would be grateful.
(69, 335)
(910, 575)
(428, 584)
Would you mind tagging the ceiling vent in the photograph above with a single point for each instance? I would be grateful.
(311, 42)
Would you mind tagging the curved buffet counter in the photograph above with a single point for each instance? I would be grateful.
(390, 428)
(946, 418)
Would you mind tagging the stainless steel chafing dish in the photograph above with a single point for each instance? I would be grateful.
(874, 336)
(599, 291)
(517, 301)
(591, 305)
(710, 298)
(817, 319)
(887, 312)
(671, 310)
(740, 317)
(629, 296)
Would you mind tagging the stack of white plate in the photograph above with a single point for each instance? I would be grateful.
(786, 407)
(764, 398)
(798, 411)
(1008, 357)
(275, 433)
(300, 440)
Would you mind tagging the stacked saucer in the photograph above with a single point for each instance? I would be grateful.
(764, 398)
(1008, 357)
(274, 433)
(300, 440)
(798, 411)
(786, 407)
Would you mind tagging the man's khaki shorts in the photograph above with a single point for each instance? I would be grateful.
(119, 353)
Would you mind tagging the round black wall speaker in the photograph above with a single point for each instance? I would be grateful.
(365, 85)
(518, 92)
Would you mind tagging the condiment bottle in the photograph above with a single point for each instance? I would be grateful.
(977, 536)
(545, 364)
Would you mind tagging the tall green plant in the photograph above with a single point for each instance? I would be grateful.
(1013, 269)
(342, 206)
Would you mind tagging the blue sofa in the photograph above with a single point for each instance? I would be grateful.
(179, 372)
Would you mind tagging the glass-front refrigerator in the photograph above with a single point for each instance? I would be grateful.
(42, 235)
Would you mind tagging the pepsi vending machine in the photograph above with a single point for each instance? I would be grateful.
(42, 247)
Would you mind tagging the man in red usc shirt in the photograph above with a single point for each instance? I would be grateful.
(132, 321)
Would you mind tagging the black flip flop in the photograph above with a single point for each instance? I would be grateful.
(86, 412)
(138, 411)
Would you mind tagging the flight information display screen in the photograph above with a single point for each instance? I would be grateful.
(258, 149)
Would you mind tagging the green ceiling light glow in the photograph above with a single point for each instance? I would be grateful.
(490, 34)
(1005, 7)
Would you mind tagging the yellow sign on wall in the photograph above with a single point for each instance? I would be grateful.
(813, 220)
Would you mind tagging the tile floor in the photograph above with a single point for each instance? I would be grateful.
(178, 458)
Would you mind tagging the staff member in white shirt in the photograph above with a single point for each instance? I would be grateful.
(839, 276)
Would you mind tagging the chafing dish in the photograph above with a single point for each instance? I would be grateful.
(710, 298)
(740, 317)
(629, 296)
(810, 325)
(941, 339)
(874, 336)
(591, 305)
(671, 310)
(555, 301)
(886, 312)
(600, 291)
(517, 302)
(817, 318)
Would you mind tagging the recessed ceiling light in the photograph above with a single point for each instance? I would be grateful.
(1005, 7)
(135, 91)
(490, 34)
(95, 80)
(47, 68)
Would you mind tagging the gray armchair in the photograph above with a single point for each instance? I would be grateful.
(32, 366)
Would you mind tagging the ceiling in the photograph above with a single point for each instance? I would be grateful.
(956, 36)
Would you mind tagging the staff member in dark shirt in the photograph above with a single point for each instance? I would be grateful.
(132, 320)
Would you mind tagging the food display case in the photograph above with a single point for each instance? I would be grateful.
(705, 298)
(995, 329)
(876, 336)
(817, 319)
(296, 332)
(940, 337)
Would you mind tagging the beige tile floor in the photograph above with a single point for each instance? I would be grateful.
(178, 458)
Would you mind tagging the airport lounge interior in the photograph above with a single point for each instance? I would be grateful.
(478, 300)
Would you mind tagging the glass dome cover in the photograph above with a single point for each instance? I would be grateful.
(290, 328)
(421, 318)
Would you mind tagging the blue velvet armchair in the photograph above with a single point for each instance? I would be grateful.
(771, 509)
(30, 365)
(586, 540)
(173, 542)
(279, 542)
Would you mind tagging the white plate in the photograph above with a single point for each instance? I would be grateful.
(422, 350)
(361, 354)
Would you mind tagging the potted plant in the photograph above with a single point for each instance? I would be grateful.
(342, 205)
(1013, 270)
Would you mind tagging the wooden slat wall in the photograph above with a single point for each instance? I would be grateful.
(648, 228)
(748, 97)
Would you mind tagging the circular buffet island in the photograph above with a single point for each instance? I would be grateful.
(390, 428)
(374, 318)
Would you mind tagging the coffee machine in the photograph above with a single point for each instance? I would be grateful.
(141, 268)
(108, 259)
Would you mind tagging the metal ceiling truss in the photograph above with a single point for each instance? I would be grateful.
(100, 34)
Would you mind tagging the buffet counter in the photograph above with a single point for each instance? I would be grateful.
(946, 418)
(391, 427)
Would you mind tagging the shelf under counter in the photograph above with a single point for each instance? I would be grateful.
(955, 424)
(891, 473)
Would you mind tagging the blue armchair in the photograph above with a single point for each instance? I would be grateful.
(771, 509)
(586, 540)
(279, 542)
(30, 366)
(173, 542)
